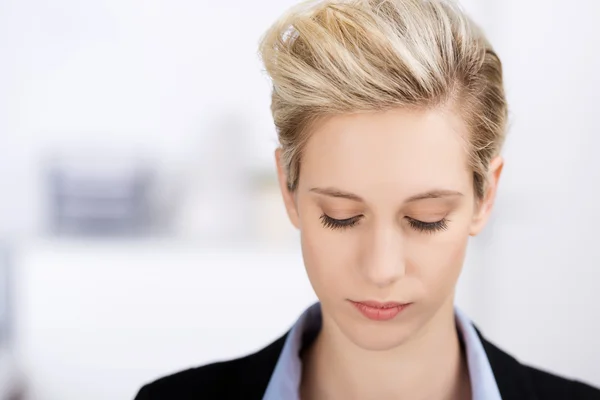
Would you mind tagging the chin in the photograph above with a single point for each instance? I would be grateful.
(377, 336)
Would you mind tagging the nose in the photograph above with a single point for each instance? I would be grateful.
(384, 259)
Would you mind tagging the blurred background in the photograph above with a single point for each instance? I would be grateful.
(137, 190)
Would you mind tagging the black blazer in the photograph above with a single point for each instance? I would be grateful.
(247, 378)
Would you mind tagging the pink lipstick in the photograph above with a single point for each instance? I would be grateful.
(377, 311)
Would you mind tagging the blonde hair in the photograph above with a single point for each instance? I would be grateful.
(332, 57)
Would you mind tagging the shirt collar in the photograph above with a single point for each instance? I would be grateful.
(285, 380)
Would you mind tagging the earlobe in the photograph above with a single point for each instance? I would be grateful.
(485, 206)
(288, 197)
(477, 222)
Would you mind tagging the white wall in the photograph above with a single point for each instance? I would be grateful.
(142, 77)
(540, 258)
(97, 321)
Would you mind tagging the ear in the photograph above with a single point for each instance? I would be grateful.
(485, 205)
(289, 198)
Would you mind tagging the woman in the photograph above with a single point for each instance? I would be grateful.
(391, 116)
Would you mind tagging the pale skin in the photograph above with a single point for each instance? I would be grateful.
(400, 182)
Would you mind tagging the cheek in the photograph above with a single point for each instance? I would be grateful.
(438, 264)
(327, 255)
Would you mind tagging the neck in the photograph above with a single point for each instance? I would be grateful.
(430, 365)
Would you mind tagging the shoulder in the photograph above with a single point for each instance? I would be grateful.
(550, 386)
(519, 381)
(241, 378)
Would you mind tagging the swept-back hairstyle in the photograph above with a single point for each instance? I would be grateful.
(332, 57)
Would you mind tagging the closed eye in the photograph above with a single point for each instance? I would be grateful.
(333, 223)
(428, 227)
(420, 226)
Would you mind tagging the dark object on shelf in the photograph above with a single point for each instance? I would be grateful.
(100, 199)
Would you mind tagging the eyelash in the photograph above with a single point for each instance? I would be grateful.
(429, 227)
(333, 223)
(425, 227)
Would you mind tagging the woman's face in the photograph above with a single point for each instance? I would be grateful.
(385, 206)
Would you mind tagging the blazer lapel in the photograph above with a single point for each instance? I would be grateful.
(512, 377)
(256, 369)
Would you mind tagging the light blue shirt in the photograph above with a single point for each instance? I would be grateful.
(285, 381)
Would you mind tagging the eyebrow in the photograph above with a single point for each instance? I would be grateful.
(431, 194)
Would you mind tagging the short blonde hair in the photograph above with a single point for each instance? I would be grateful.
(332, 57)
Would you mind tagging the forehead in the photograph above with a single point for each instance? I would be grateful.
(410, 150)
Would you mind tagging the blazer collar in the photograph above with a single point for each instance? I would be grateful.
(512, 378)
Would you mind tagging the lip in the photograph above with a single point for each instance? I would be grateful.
(378, 311)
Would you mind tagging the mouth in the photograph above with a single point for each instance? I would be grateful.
(378, 311)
